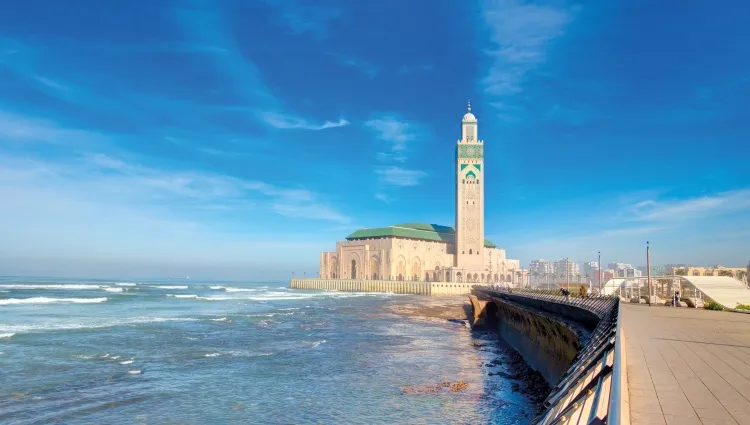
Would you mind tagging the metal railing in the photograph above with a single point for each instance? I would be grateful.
(591, 390)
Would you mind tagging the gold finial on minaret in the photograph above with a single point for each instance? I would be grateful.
(469, 106)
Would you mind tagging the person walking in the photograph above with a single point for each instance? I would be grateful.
(676, 299)
(582, 291)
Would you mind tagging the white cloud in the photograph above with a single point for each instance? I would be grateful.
(398, 176)
(383, 197)
(19, 128)
(667, 210)
(305, 18)
(521, 32)
(282, 121)
(396, 132)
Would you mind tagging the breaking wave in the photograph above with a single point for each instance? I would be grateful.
(46, 300)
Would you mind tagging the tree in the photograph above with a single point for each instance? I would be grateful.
(726, 273)
(680, 272)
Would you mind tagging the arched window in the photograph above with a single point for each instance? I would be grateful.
(469, 251)
(354, 269)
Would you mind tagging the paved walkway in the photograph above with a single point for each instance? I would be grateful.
(687, 366)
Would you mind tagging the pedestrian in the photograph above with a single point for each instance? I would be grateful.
(582, 291)
(676, 299)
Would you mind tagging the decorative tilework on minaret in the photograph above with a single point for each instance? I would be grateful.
(470, 196)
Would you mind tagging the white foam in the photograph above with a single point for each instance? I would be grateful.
(126, 284)
(7, 335)
(45, 300)
(221, 319)
(53, 326)
(134, 372)
(126, 362)
(217, 287)
(113, 289)
(182, 296)
(213, 355)
(241, 289)
(169, 286)
(317, 343)
(51, 286)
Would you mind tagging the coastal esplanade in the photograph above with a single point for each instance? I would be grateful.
(431, 252)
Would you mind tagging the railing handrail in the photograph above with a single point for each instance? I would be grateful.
(602, 358)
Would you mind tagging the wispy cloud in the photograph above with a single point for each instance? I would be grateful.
(383, 197)
(282, 121)
(21, 128)
(397, 133)
(671, 210)
(305, 18)
(370, 70)
(398, 176)
(520, 32)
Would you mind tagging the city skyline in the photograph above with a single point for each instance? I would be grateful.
(238, 139)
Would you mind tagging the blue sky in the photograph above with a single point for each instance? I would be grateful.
(240, 138)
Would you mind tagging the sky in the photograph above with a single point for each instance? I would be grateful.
(239, 139)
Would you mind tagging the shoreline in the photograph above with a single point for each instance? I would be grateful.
(506, 362)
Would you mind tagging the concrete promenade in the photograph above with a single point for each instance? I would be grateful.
(687, 366)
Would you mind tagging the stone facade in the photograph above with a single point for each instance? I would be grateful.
(467, 258)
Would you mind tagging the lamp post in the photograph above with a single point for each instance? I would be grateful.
(599, 273)
(648, 271)
(567, 278)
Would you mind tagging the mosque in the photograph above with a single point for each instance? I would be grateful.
(430, 252)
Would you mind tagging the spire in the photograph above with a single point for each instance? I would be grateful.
(469, 109)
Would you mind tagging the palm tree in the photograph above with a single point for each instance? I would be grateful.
(680, 272)
(520, 282)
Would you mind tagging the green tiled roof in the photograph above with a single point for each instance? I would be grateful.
(420, 231)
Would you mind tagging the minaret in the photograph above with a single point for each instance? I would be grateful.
(470, 197)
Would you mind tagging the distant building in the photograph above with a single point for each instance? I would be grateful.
(566, 270)
(540, 271)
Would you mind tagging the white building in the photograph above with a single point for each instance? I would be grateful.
(566, 270)
(431, 252)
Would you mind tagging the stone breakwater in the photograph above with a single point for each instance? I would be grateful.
(547, 344)
(386, 286)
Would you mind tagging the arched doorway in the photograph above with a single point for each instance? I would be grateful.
(459, 278)
(353, 274)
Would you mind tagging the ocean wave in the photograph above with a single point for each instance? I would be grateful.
(212, 355)
(182, 296)
(317, 343)
(134, 372)
(113, 289)
(46, 300)
(221, 319)
(168, 286)
(127, 361)
(66, 286)
(56, 326)
(126, 284)
(7, 335)
(217, 287)
(230, 289)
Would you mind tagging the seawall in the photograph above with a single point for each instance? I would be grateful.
(547, 343)
(392, 286)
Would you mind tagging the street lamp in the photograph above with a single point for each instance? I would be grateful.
(599, 273)
(648, 271)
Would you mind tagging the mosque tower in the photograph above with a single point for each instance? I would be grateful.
(470, 197)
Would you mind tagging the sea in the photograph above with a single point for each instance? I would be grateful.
(179, 351)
